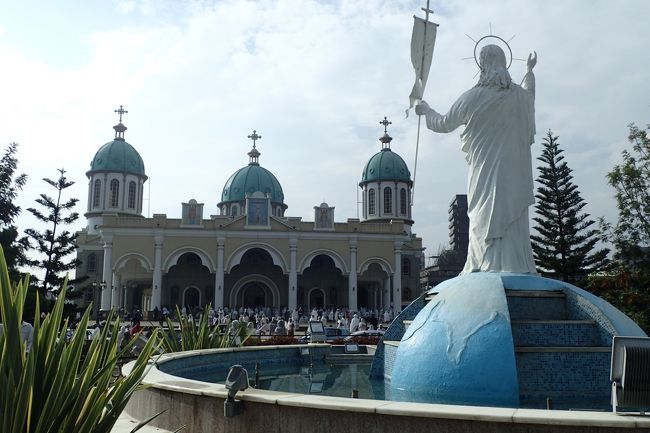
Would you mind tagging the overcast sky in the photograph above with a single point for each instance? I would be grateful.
(314, 78)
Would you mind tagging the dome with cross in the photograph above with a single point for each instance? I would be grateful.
(386, 184)
(386, 164)
(250, 179)
(118, 155)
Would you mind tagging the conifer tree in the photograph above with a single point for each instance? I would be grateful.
(565, 241)
(10, 185)
(55, 243)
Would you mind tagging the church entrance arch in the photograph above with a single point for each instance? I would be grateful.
(374, 286)
(255, 288)
(256, 294)
(320, 277)
(316, 298)
(191, 298)
(188, 282)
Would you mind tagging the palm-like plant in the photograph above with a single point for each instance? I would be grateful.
(201, 335)
(53, 387)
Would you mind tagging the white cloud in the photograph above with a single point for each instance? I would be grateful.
(314, 78)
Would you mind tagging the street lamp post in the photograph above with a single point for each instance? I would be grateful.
(97, 298)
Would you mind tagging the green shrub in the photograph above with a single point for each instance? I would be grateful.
(195, 336)
(57, 386)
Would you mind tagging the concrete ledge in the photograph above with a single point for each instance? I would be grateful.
(125, 424)
(553, 322)
(534, 293)
(542, 349)
(199, 405)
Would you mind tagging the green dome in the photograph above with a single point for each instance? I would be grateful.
(250, 179)
(120, 156)
(386, 165)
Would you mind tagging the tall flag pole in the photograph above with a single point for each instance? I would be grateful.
(423, 40)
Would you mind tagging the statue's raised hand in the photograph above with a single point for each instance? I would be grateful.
(532, 60)
(422, 108)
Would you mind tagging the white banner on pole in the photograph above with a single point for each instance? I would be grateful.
(422, 42)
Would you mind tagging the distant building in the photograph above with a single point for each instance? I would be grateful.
(250, 254)
(449, 262)
(459, 224)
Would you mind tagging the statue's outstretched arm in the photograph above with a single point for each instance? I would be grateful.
(528, 81)
(438, 122)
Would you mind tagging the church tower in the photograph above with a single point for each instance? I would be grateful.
(116, 179)
(386, 185)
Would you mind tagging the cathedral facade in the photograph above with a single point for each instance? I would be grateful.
(251, 254)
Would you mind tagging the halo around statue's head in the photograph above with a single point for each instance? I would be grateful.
(493, 40)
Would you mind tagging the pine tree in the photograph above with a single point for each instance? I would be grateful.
(53, 245)
(10, 185)
(565, 244)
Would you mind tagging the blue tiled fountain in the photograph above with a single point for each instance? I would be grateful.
(502, 339)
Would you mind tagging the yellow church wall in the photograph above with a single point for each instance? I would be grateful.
(174, 243)
(233, 244)
(123, 245)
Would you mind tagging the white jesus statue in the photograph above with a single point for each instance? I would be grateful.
(499, 119)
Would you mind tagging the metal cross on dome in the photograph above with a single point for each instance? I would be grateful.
(121, 111)
(385, 122)
(254, 137)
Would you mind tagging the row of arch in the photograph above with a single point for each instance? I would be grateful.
(387, 201)
(235, 259)
(193, 292)
(235, 211)
(114, 194)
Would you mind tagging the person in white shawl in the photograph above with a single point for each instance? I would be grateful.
(499, 119)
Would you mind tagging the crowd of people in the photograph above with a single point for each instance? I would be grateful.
(259, 321)
(277, 321)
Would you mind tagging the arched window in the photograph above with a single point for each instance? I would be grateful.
(278, 212)
(402, 201)
(406, 267)
(91, 265)
(371, 201)
(234, 210)
(388, 200)
(97, 190)
(131, 202)
(115, 193)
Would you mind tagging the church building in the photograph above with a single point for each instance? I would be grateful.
(252, 253)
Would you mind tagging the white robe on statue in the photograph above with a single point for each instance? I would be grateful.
(499, 129)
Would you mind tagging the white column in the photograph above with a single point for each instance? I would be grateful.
(115, 292)
(156, 284)
(218, 277)
(293, 274)
(352, 279)
(397, 279)
(386, 293)
(107, 273)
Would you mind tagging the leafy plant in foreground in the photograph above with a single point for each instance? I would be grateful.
(201, 335)
(53, 387)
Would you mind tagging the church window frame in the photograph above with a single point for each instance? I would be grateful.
(91, 263)
(132, 191)
(234, 210)
(371, 201)
(97, 193)
(388, 200)
(406, 267)
(403, 201)
(114, 193)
